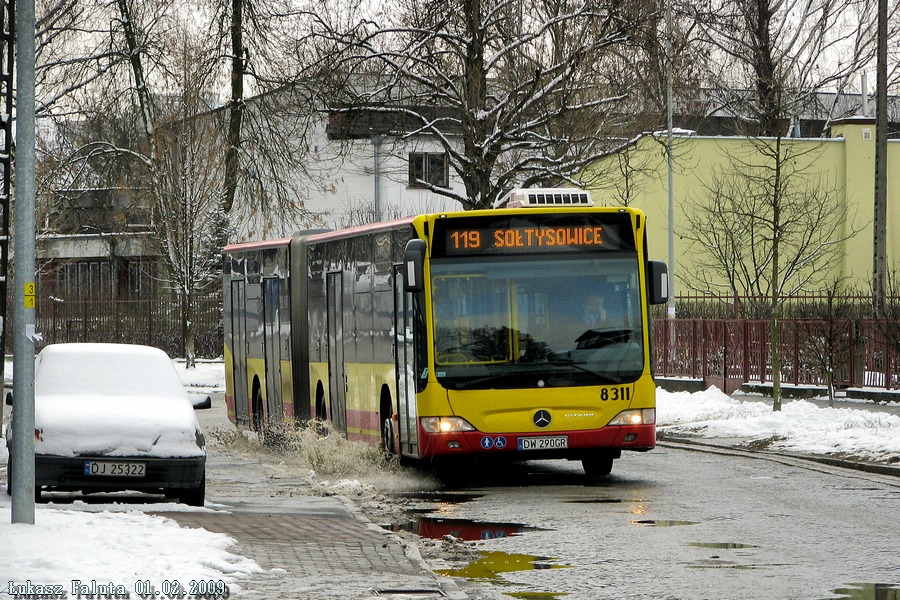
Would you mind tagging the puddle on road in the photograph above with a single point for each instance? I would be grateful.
(491, 564)
(662, 523)
(869, 591)
(464, 529)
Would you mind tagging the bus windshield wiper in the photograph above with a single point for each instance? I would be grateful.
(568, 362)
(464, 383)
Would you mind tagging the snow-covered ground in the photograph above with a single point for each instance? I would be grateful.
(800, 426)
(120, 543)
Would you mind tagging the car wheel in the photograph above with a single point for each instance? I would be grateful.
(194, 496)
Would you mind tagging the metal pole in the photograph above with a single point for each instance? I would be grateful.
(24, 290)
(377, 140)
(879, 237)
(670, 310)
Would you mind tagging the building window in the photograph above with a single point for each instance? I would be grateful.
(429, 169)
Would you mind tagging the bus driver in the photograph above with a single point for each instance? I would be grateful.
(593, 313)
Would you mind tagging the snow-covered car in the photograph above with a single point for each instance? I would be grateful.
(111, 417)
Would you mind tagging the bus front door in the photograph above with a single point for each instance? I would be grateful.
(272, 348)
(337, 375)
(239, 352)
(404, 352)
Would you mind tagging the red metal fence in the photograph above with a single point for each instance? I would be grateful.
(860, 352)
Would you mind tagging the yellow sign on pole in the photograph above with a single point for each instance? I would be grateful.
(29, 295)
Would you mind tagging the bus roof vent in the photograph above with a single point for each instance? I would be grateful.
(545, 197)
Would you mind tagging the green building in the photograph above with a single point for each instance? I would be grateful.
(721, 184)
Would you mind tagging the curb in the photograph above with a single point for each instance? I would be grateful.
(866, 467)
(447, 585)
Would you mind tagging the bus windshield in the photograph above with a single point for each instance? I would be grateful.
(504, 322)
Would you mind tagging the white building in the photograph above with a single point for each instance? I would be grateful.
(356, 169)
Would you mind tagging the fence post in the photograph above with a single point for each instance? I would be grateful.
(763, 350)
(745, 364)
(796, 355)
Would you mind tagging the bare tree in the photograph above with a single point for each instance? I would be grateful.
(188, 216)
(517, 93)
(769, 59)
(785, 52)
(769, 223)
(826, 332)
(270, 111)
(170, 158)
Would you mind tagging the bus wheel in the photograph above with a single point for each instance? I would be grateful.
(387, 437)
(597, 465)
(258, 422)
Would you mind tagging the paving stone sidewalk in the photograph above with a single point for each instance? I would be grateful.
(309, 546)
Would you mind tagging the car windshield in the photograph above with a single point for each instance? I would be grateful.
(546, 321)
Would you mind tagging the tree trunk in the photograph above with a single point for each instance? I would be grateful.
(236, 105)
(187, 330)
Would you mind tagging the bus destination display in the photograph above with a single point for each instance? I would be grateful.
(500, 236)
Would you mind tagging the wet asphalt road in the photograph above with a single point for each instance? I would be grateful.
(678, 523)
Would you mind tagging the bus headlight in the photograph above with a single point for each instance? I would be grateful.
(636, 416)
(445, 424)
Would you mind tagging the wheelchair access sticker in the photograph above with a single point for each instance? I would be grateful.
(488, 442)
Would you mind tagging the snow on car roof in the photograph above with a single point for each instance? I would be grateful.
(105, 369)
(113, 400)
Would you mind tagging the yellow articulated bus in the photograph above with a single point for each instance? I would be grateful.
(521, 332)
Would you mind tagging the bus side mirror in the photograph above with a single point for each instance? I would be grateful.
(414, 266)
(657, 282)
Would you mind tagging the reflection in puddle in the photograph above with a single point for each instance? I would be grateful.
(869, 591)
(492, 564)
(441, 497)
(662, 523)
(605, 501)
(464, 529)
(721, 545)
(718, 564)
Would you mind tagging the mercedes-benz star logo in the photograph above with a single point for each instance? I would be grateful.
(542, 418)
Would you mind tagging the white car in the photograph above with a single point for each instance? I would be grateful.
(112, 417)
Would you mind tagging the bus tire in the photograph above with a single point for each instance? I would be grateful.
(387, 437)
(258, 421)
(597, 465)
(321, 415)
